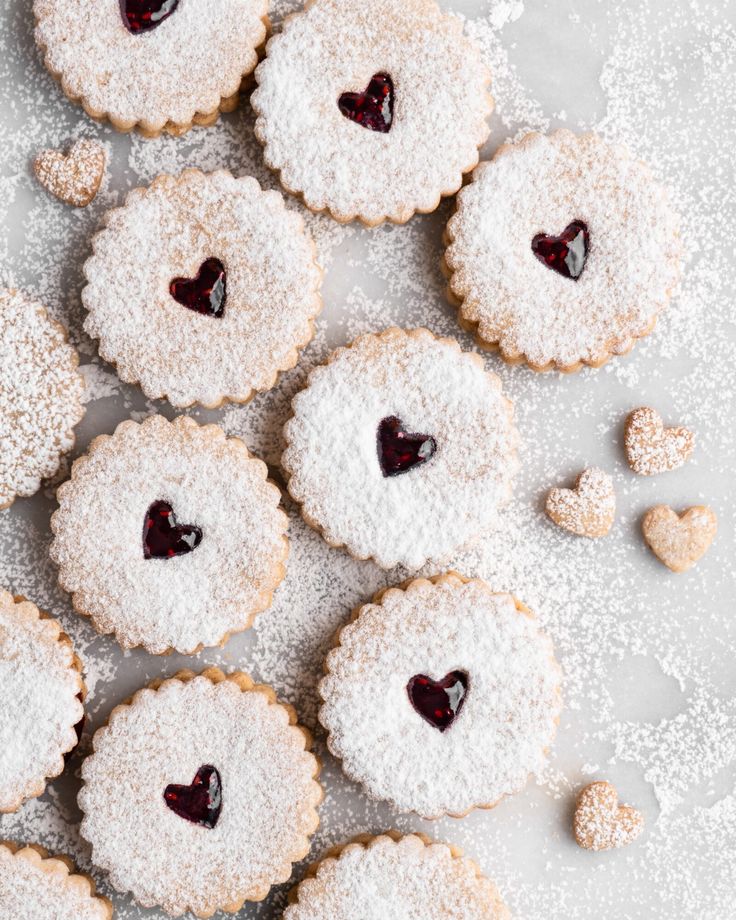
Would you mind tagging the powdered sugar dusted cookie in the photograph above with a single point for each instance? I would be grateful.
(41, 394)
(679, 540)
(200, 794)
(74, 177)
(450, 669)
(401, 448)
(34, 886)
(372, 110)
(588, 509)
(154, 65)
(600, 823)
(563, 251)
(219, 282)
(412, 877)
(169, 535)
(42, 690)
(650, 447)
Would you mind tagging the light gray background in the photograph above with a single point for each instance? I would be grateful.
(650, 682)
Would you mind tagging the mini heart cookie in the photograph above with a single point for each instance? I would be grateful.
(679, 540)
(74, 177)
(600, 823)
(650, 447)
(588, 509)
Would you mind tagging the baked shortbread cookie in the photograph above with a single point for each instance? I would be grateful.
(448, 668)
(372, 110)
(153, 65)
(42, 692)
(563, 251)
(34, 886)
(219, 284)
(41, 394)
(170, 535)
(401, 448)
(411, 877)
(200, 794)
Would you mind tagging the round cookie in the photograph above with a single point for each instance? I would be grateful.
(148, 64)
(563, 251)
(410, 877)
(219, 282)
(200, 794)
(34, 885)
(41, 394)
(372, 111)
(401, 448)
(42, 691)
(449, 668)
(170, 535)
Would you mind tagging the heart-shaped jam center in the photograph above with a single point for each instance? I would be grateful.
(204, 294)
(566, 253)
(201, 801)
(438, 701)
(398, 450)
(374, 107)
(144, 15)
(163, 537)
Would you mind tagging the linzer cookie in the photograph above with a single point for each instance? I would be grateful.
(42, 691)
(410, 877)
(401, 448)
(448, 668)
(202, 288)
(169, 535)
(200, 794)
(372, 110)
(563, 251)
(41, 394)
(153, 65)
(35, 886)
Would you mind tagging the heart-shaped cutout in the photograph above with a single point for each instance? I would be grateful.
(600, 823)
(201, 801)
(374, 107)
(163, 538)
(204, 294)
(74, 177)
(679, 540)
(399, 450)
(589, 508)
(650, 447)
(567, 253)
(144, 15)
(438, 701)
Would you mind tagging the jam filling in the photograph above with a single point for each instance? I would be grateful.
(144, 15)
(374, 107)
(438, 701)
(204, 294)
(565, 254)
(163, 537)
(201, 801)
(400, 451)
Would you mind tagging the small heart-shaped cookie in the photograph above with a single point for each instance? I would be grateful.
(679, 540)
(587, 510)
(600, 823)
(73, 177)
(650, 447)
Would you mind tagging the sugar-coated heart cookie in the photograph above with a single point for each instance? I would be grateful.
(679, 540)
(600, 823)
(74, 177)
(650, 447)
(588, 509)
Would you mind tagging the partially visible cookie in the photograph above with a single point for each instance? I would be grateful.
(35, 886)
(600, 823)
(588, 509)
(73, 177)
(391, 876)
(650, 447)
(41, 394)
(679, 541)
